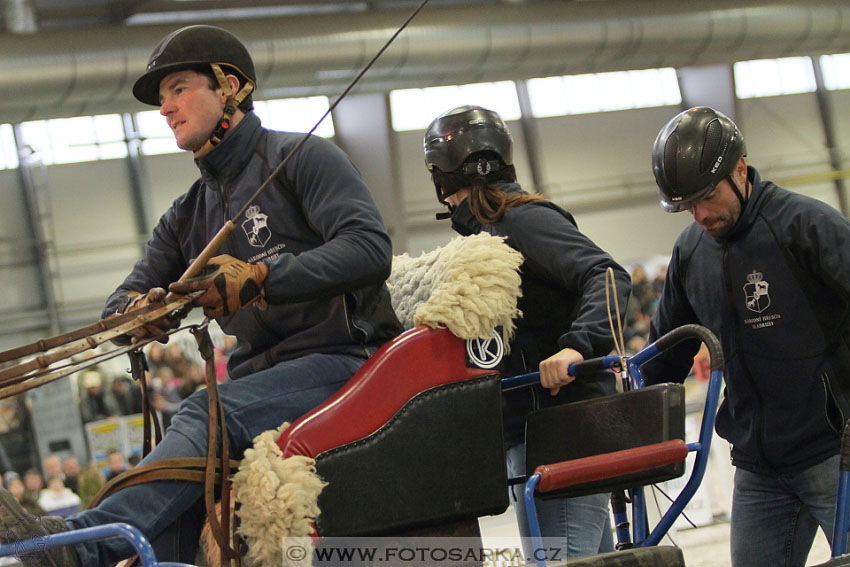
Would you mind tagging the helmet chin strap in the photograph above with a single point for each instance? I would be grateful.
(741, 197)
(230, 106)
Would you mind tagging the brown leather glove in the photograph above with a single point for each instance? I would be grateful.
(230, 285)
(158, 327)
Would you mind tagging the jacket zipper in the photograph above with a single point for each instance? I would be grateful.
(760, 403)
(349, 322)
(223, 194)
(829, 395)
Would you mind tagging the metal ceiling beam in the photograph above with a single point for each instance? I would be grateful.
(68, 73)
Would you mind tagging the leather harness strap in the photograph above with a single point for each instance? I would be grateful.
(209, 470)
(138, 368)
(220, 531)
(192, 469)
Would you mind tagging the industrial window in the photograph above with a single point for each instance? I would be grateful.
(8, 149)
(72, 140)
(296, 115)
(771, 77)
(836, 71)
(603, 92)
(155, 134)
(414, 109)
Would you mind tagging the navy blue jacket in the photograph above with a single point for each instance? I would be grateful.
(316, 227)
(775, 291)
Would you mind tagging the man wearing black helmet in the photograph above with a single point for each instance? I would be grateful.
(469, 152)
(300, 282)
(768, 271)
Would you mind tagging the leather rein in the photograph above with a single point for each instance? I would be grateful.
(47, 360)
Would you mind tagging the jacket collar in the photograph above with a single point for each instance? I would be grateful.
(749, 214)
(228, 158)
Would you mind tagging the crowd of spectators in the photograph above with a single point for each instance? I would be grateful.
(62, 486)
(172, 376)
(642, 305)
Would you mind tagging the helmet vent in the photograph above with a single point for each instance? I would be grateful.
(671, 149)
(713, 134)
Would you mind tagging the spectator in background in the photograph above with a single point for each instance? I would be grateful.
(641, 287)
(175, 357)
(91, 481)
(193, 380)
(52, 466)
(57, 499)
(71, 468)
(33, 483)
(163, 409)
(15, 485)
(156, 358)
(127, 397)
(221, 354)
(95, 402)
(657, 288)
(116, 463)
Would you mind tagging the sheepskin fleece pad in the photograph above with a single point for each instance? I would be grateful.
(278, 498)
(470, 286)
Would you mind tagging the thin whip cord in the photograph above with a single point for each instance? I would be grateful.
(306, 136)
(616, 334)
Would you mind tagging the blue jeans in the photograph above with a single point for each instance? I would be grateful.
(775, 517)
(253, 404)
(578, 526)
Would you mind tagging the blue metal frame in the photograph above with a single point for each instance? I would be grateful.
(701, 447)
(842, 504)
(140, 543)
(842, 511)
(533, 524)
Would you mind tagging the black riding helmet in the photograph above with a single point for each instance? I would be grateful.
(696, 150)
(464, 143)
(196, 47)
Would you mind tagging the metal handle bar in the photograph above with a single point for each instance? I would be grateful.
(39, 545)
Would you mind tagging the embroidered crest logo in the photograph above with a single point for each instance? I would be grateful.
(756, 292)
(256, 227)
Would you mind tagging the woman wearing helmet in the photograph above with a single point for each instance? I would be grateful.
(768, 271)
(468, 151)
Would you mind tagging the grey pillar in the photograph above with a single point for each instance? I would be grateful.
(37, 221)
(140, 197)
(828, 122)
(531, 137)
(711, 85)
(364, 131)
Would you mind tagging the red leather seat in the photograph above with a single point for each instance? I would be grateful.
(413, 439)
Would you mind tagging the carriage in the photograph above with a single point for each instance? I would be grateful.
(421, 452)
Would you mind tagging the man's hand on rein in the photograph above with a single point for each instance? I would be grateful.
(230, 285)
(158, 328)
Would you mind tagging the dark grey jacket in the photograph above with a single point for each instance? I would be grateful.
(316, 227)
(776, 292)
(563, 297)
